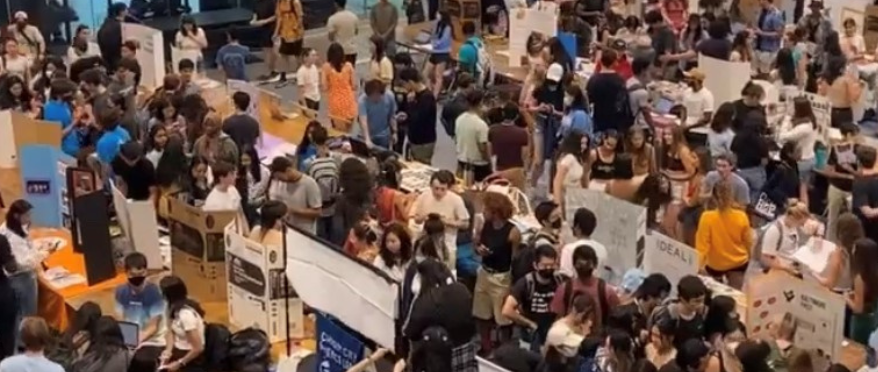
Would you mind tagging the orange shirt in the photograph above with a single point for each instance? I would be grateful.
(289, 20)
(724, 239)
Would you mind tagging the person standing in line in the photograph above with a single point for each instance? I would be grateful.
(290, 31)
(28, 36)
(377, 111)
(445, 203)
(110, 35)
(840, 170)
(864, 191)
(420, 116)
(863, 299)
(473, 160)
(769, 35)
(298, 191)
(265, 18)
(510, 144)
(343, 29)
(384, 18)
(35, 337)
(724, 238)
(191, 38)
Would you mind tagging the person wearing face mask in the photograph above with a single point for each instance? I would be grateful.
(28, 258)
(549, 215)
(576, 116)
(28, 36)
(141, 302)
(528, 302)
(547, 107)
(585, 261)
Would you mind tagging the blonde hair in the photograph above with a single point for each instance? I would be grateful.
(723, 197)
(797, 209)
(35, 333)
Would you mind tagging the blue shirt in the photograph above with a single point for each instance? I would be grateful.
(378, 113)
(577, 121)
(441, 41)
(110, 142)
(60, 111)
(29, 363)
(771, 20)
(306, 156)
(468, 55)
(139, 306)
(233, 59)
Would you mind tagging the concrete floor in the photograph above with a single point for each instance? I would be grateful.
(445, 154)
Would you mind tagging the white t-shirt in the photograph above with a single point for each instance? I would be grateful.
(381, 70)
(574, 171)
(218, 200)
(471, 131)
(187, 320)
(450, 207)
(190, 44)
(567, 258)
(308, 79)
(697, 103)
(772, 236)
(17, 66)
(563, 339)
(804, 136)
(853, 43)
(397, 272)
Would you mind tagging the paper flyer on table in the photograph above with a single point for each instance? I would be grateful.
(814, 254)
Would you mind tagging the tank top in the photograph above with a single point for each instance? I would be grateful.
(673, 163)
(602, 169)
(497, 240)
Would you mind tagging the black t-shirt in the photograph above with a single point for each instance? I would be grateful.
(421, 119)
(552, 95)
(715, 48)
(843, 155)
(865, 193)
(663, 42)
(743, 112)
(265, 9)
(750, 148)
(243, 129)
(591, 6)
(535, 299)
(138, 177)
(609, 97)
(686, 329)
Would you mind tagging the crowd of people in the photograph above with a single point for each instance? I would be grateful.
(473, 280)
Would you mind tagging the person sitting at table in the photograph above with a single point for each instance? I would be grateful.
(141, 302)
(697, 98)
(108, 352)
(27, 257)
(36, 337)
(184, 328)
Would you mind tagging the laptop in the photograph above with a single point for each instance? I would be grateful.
(130, 334)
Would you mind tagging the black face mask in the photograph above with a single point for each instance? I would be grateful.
(136, 281)
(557, 224)
(546, 273)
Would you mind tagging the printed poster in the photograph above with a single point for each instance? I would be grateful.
(151, 55)
(621, 227)
(819, 312)
(668, 256)
(337, 350)
(541, 21)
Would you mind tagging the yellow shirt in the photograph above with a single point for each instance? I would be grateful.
(724, 239)
(289, 18)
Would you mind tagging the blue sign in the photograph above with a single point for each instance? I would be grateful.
(37, 187)
(568, 41)
(337, 350)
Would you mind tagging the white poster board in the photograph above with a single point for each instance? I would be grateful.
(818, 311)
(151, 55)
(120, 204)
(258, 294)
(621, 227)
(724, 79)
(178, 55)
(523, 22)
(252, 90)
(665, 255)
(140, 226)
(8, 152)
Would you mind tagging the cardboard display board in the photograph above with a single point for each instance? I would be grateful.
(80, 181)
(151, 55)
(818, 311)
(198, 248)
(523, 22)
(621, 228)
(870, 27)
(8, 148)
(94, 231)
(252, 90)
(139, 224)
(724, 79)
(665, 255)
(356, 293)
(42, 167)
(259, 292)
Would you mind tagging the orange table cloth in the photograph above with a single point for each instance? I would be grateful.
(53, 302)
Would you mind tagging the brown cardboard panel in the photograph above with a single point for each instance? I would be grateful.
(48, 133)
(24, 129)
(462, 11)
(870, 27)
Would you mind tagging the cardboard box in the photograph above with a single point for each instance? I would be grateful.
(258, 290)
(198, 249)
(462, 11)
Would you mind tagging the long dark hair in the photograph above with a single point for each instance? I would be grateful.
(8, 100)
(305, 142)
(579, 101)
(786, 66)
(380, 47)
(802, 112)
(190, 185)
(177, 296)
(699, 29)
(405, 246)
(444, 21)
(865, 254)
(835, 68)
(85, 320)
(572, 144)
(14, 214)
(335, 56)
(187, 20)
(722, 118)
(718, 312)
(107, 339)
(149, 144)
(389, 174)
(255, 168)
(356, 188)
(172, 166)
(271, 212)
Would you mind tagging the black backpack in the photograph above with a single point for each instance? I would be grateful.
(216, 347)
(249, 349)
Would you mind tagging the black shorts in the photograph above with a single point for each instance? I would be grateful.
(293, 48)
(721, 273)
(311, 104)
(437, 58)
(266, 38)
(480, 172)
(351, 58)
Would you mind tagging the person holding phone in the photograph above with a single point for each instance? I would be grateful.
(184, 333)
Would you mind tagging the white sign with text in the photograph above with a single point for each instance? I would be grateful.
(670, 257)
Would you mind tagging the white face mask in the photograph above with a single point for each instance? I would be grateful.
(568, 100)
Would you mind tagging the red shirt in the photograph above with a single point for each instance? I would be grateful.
(623, 68)
(591, 288)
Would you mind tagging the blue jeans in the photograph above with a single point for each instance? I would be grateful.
(548, 126)
(755, 178)
(24, 285)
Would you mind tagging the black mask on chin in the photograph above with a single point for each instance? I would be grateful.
(136, 281)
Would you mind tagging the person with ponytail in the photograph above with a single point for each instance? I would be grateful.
(185, 328)
(269, 231)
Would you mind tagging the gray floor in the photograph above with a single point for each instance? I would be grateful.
(444, 157)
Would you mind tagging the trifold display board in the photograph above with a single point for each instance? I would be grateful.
(818, 312)
(151, 55)
(8, 148)
(94, 233)
(42, 166)
(139, 224)
(198, 248)
(80, 182)
(724, 79)
(670, 257)
(259, 292)
(353, 292)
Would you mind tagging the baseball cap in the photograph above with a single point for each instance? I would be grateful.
(619, 44)
(555, 72)
(696, 74)
(20, 15)
(818, 4)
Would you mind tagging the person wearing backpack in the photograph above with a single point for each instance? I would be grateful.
(585, 261)
(687, 311)
(324, 169)
(185, 329)
(780, 240)
(549, 215)
(471, 57)
(528, 302)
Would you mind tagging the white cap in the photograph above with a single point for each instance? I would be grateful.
(20, 15)
(555, 72)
